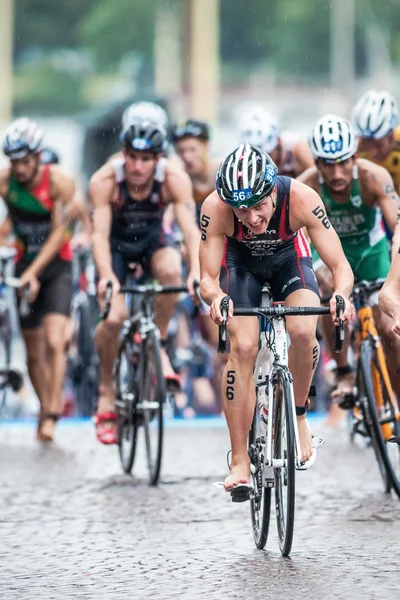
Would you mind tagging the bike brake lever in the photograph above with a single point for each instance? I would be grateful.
(107, 302)
(339, 329)
(222, 332)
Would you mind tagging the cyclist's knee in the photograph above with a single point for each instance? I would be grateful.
(55, 343)
(244, 349)
(302, 335)
(169, 273)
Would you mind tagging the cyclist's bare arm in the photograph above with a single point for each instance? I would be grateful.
(389, 297)
(102, 189)
(378, 182)
(62, 189)
(303, 156)
(180, 193)
(213, 222)
(307, 210)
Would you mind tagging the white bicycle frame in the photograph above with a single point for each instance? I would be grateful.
(266, 366)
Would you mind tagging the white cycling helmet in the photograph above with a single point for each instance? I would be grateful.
(22, 137)
(259, 129)
(375, 114)
(332, 139)
(145, 110)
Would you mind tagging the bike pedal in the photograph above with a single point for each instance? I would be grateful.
(348, 402)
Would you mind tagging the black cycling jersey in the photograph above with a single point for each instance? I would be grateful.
(137, 226)
(279, 256)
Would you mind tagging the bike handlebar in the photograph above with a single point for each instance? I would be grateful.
(149, 289)
(282, 311)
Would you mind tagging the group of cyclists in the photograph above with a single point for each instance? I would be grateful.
(307, 217)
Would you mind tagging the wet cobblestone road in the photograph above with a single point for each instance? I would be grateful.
(72, 526)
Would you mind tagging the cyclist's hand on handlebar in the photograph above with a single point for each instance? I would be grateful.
(102, 286)
(215, 310)
(192, 283)
(29, 281)
(348, 308)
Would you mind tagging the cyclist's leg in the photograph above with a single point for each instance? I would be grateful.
(237, 386)
(107, 342)
(56, 299)
(37, 365)
(165, 267)
(296, 286)
(391, 347)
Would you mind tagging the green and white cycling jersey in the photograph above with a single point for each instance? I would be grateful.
(361, 232)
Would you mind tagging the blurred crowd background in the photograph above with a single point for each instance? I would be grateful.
(75, 65)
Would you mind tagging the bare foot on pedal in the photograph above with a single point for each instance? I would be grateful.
(305, 437)
(240, 473)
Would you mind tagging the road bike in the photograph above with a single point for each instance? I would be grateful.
(274, 447)
(141, 392)
(82, 358)
(375, 411)
(9, 378)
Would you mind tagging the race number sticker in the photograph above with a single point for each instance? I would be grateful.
(242, 195)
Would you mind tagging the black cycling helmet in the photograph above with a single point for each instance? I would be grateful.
(145, 136)
(191, 128)
(246, 177)
(49, 157)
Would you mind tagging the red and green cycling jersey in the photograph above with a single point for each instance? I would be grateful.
(31, 214)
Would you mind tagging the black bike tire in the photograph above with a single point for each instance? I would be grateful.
(126, 423)
(152, 342)
(260, 526)
(7, 355)
(378, 442)
(285, 518)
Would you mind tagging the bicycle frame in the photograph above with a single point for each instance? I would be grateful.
(273, 335)
(366, 329)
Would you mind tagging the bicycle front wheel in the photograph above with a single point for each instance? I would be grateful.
(150, 406)
(285, 453)
(260, 500)
(127, 396)
(387, 455)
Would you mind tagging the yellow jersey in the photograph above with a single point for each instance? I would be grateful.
(392, 161)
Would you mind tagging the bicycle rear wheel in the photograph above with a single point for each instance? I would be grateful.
(150, 406)
(127, 396)
(387, 455)
(285, 451)
(260, 499)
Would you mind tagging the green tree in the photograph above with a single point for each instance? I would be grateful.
(48, 24)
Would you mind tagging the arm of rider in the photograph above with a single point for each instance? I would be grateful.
(101, 189)
(308, 210)
(6, 228)
(211, 255)
(179, 189)
(387, 197)
(389, 297)
(62, 191)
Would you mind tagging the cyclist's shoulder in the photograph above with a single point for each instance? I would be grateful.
(62, 183)
(104, 179)
(370, 171)
(4, 180)
(215, 207)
